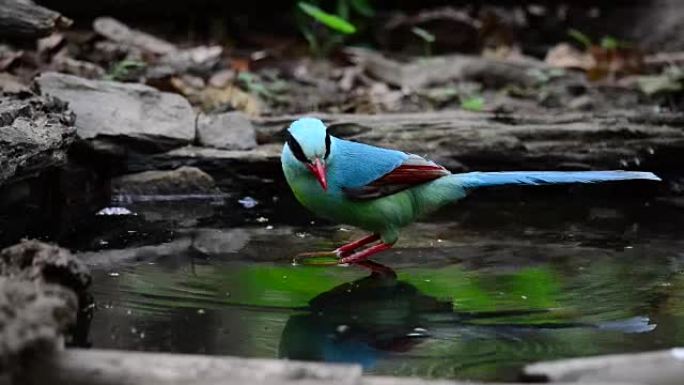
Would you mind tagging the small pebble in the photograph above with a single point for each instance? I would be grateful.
(115, 211)
(248, 202)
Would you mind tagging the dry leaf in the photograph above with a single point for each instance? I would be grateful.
(566, 56)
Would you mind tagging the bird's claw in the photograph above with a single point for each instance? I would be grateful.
(320, 258)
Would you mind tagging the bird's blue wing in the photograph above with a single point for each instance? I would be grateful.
(368, 172)
(358, 164)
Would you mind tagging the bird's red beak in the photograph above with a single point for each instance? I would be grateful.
(318, 169)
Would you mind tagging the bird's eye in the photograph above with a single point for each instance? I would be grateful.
(296, 149)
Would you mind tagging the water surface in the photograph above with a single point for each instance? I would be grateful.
(476, 293)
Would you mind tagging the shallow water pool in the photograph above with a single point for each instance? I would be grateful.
(479, 291)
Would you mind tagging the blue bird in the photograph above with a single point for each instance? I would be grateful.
(382, 190)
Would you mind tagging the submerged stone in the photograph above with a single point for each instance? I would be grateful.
(181, 181)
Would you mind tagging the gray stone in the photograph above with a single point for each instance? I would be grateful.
(95, 367)
(181, 181)
(118, 32)
(210, 242)
(23, 19)
(37, 301)
(199, 60)
(92, 366)
(35, 134)
(664, 367)
(116, 257)
(423, 72)
(219, 241)
(32, 320)
(228, 131)
(41, 262)
(112, 108)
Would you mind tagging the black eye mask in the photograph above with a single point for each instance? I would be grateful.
(327, 145)
(296, 148)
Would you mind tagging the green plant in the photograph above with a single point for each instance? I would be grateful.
(122, 69)
(473, 103)
(580, 37)
(334, 22)
(427, 37)
(607, 42)
(670, 81)
(328, 30)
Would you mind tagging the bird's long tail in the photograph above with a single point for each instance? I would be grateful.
(485, 179)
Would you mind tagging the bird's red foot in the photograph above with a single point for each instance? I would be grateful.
(317, 258)
(333, 257)
(364, 254)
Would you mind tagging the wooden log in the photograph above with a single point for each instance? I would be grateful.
(118, 32)
(23, 19)
(420, 73)
(488, 141)
(461, 141)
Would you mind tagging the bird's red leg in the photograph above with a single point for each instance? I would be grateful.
(351, 246)
(364, 254)
(342, 250)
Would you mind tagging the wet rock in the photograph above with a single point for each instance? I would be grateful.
(664, 367)
(38, 300)
(189, 243)
(135, 111)
(182, 181)
(182, 213)
(92, 366)
(219, 241)
(32, 320)
(44, 263)
(36, 133)
(228, 131)
(117, 257)
(233, 169)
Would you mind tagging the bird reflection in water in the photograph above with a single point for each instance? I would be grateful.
(365, 320)
(360, 321)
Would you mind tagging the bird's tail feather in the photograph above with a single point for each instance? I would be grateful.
(485, 179)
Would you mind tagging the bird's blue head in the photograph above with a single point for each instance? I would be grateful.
(309, 142)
